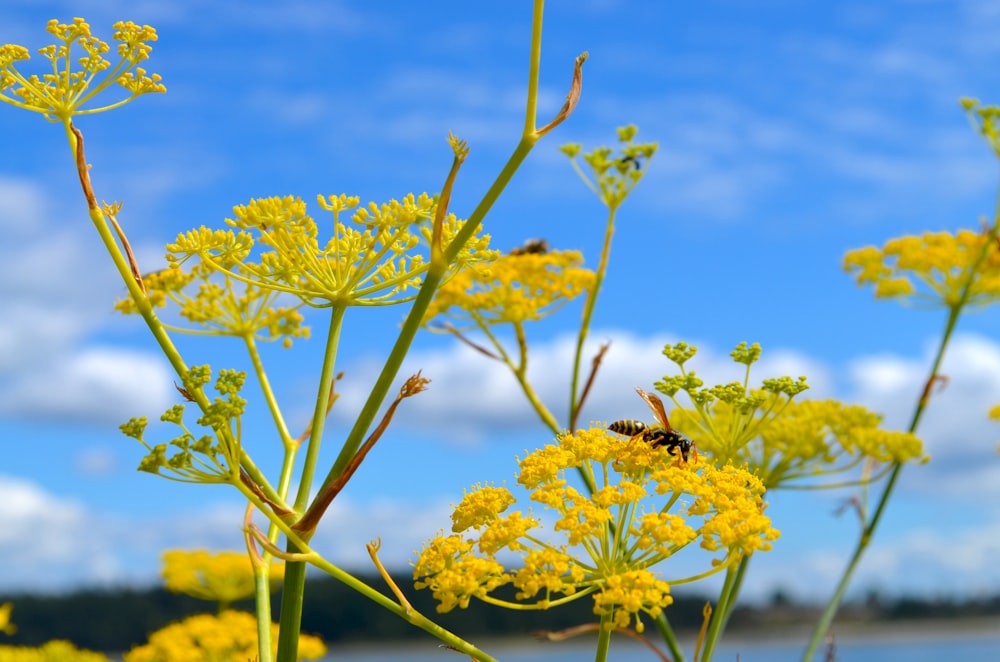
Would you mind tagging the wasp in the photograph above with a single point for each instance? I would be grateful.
(532, 247)
(660, 434)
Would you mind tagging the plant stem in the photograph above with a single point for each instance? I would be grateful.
(588, 313)
(954, 311)
(727, 597)
(604, 638)
(663, 625)
(293, 588)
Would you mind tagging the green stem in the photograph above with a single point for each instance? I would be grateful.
(604, 638)
(663, 625)
(521, 373)
(320, 410)
(723, 608)
(265, 387)
(292, 598)
(262, 572)
(407, 613)
(293, 588)
(145, 309)
(588, 313)
(414, 319)
(826, 619)
(262, 603)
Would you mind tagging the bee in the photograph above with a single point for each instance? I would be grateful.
(532, 247)
(660, 434)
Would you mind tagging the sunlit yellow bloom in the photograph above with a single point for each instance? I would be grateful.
(647, 505)
(783, 442)
(221, 305)
(51, 651)
(480, 507)
(69, 91)
(513, 289)
(628, 593)
(229, 637)
(379, 260)
(5, 625)
(223, 577)
(931, 269)
(455, 576)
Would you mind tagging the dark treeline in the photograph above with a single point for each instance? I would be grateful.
(116, 620)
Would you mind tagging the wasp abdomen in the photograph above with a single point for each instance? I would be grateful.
(628, 427)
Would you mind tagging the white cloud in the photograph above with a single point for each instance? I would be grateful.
(22, 207)
(104, 385)
(58, 287)
(478, 396)
(51, 542)
(954, 426)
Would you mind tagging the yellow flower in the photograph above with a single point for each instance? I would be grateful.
(5, 625)
(223, 577)
(932, 269)
(67, 92)
(229, 637)
(454, 575)
(379, 260)
(480, 507)
(776, 438)
(56, 650)
(615, 173)
(628, 593)
(224, 307)
(515, 288)
(647, 505)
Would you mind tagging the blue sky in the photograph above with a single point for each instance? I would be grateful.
(789, 133)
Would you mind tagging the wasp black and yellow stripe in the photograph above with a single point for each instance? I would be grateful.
(628, 427)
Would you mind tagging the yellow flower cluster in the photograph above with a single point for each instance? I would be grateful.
(778, 439)
(379, 262)
(51, 651)
(229, 637)
(515, 288)
(984, 118)
(224, 307)
(5, 625)
(934, 268)
(615, 173)
(209, 458)
(648, 505)
(65, 92)
(223, 577)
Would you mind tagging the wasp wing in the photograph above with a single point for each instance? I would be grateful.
(656, 405)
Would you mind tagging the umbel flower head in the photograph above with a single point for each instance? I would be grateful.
(779, 439)
(223, 577)
(221, 305)
(212, 457)
(230, 636)
(647, 507)
(377, 259)
(515, 288)
(615, 174)
(933, 269)
(67, 91)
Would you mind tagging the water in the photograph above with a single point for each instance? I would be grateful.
(913, 646)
